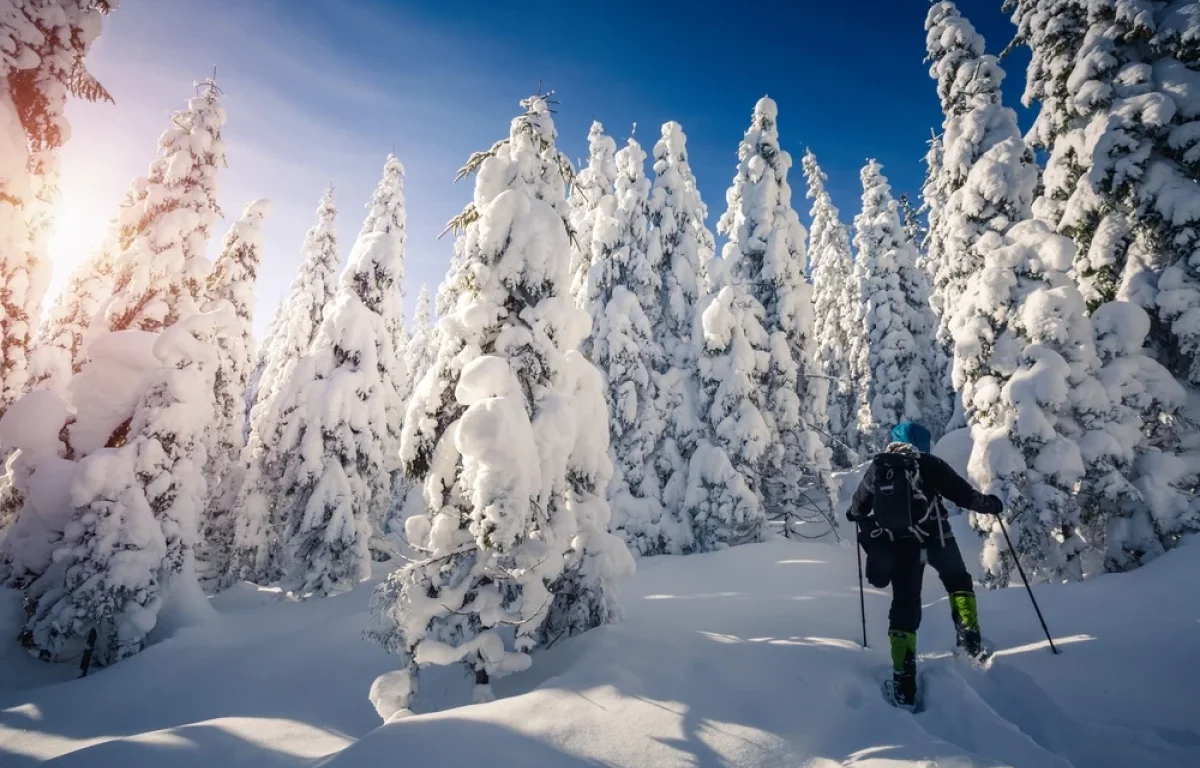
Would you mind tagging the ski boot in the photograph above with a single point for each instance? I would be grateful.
(902, 688)
(966, 626)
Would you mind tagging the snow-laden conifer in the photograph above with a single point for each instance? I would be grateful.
(682, 246)
(766, 254)
(624, 294)
(335, 451)
(422, 346)
(508, 433)
(21, 279)
(1023, 365)
(725, 474)
(167, 220)
(836, 300)
(66, 30)
(896, 316)
(680, 243)
(60, 351)
(1134, 509)
(386, 213)
(300, 517)
(299, 315)
(42, 50)
(133, 504)
(975, 120)
(592, 185)
(231, 285)
(1117, 117)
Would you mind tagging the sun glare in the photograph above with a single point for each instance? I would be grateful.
(78, 229)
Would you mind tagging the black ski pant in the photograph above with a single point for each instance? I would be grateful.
(900, 563)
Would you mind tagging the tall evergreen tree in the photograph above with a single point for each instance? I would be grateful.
(42, 50)
(1134, 508)
(422, 347)
(136, 512)
(293, 494)
(1121, 176)
(509, 437)
(386, 213)
(592, 186)
(231, 285)
(895, 313)
(336, 456)
(66, 30)
(624, 288)
(1022, 365)
(61, 341)
(969, 88)
(167, 219)
(766, 254)
(680, 243)
(724, 494)
(19, 276)
(836, 300)
(299, 315)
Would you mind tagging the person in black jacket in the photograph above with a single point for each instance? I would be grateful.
(899, 558)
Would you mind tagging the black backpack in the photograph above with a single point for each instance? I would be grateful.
(898, 501)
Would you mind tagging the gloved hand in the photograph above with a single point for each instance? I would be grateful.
(991, 505)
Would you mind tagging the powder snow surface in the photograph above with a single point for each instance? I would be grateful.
(746, 657)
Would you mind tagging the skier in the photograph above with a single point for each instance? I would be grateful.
(902, 523)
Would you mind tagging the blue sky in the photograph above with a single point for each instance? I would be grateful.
(319, 91)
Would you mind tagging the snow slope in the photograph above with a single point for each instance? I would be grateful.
(746, 657)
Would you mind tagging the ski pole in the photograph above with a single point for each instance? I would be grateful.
(1028, 589)
(862, 600)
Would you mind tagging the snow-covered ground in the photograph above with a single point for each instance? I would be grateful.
(747, 657)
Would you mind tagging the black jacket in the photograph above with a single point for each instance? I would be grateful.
(938, 481)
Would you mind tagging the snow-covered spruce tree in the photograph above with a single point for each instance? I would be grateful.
(766, 255)
(167, 220)
(624, 293)
(230, 285)
(1023, 365)
(680, 244)
(1136, 442)
(19, 277)
(914, 229)
(1128, 192)
(386, 213)
(896, 315)
(335, 449)
(969, 88)
(66, 30)
(42, 48)
(137, 509)
(724, 494)
(941, 353)
(933, 204)
(286, 502)
(422, 346)
(509, 434)
(835, 301)
(592, 185)
(299, 315)
(60, 350)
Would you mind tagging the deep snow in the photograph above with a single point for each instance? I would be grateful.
(746, 657)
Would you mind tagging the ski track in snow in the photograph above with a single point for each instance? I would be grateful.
(747, 657)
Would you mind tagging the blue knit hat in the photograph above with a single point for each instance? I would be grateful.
(912, 433)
